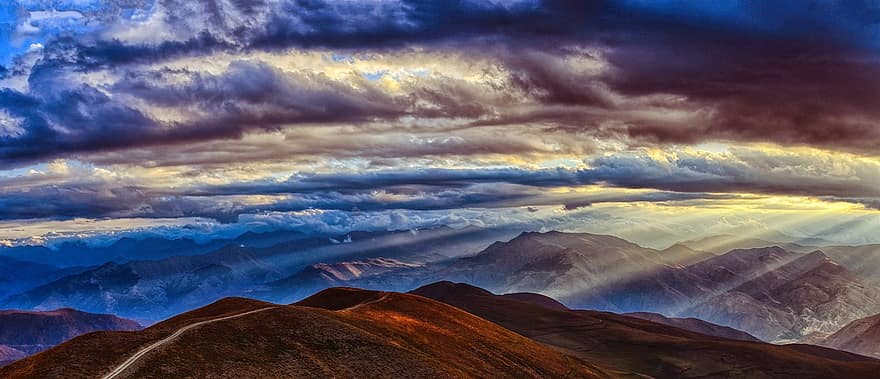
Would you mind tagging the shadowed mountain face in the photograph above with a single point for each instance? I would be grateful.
(17, 276)
(861, 336)
(344, 333)
(26, 332)
(633, 346)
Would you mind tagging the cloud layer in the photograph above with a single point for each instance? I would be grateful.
(218, 109)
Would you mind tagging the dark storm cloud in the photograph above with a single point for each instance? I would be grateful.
(788, 72)
(416, 190)
(247, 97)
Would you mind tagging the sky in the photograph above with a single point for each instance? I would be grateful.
(653, 120)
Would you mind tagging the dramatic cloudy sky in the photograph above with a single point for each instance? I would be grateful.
(635, 117)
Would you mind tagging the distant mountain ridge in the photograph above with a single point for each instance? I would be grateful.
(28, 332)
(770, 292)
(255, 265)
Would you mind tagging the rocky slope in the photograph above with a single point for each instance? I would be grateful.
(861, 336)
(808, 294)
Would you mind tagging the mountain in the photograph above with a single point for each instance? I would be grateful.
(372, 273)
(720, 244)
(788, 298)
(727, 271)
(695, 325)
(150, 290)
(26, 332)
(17, 275)
(256, 265)
(769, 292)
(682, 255)
(863, 260)
(342, 333)
(861, 336)
(582, 270)
(632, 347)
(77, 253)
(9, 355)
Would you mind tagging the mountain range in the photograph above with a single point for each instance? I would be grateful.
(443, 329)
(254, 264)
(771, 291)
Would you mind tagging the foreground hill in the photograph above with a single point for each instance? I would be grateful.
(27, 332)
(342, 333)
(633, 345)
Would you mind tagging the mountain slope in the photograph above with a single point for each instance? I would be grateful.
(17, 275)
(683, 255)
(372, 273)
(643, 347)
(720, 244)
(150, 290)
(808, 294)
(863, 260)
(769, 292)
(861, 336)
(343, 333)
(581, 270)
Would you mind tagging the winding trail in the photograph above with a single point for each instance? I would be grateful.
(131, 360)
(356, 306)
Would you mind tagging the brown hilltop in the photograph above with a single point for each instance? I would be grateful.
(341, 332)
